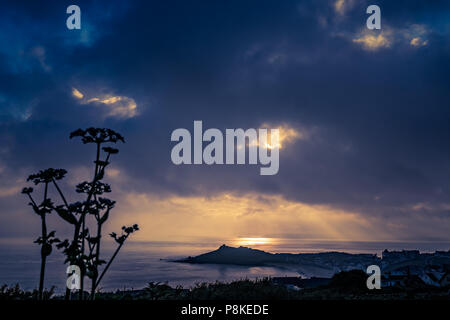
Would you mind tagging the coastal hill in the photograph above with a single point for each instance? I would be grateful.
(326, 264)
(323, 264)
(238, 256)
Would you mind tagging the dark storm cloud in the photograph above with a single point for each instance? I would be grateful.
(379, 119)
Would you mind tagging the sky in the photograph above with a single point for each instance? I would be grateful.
(364, 114)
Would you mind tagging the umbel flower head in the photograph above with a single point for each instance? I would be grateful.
(97, 135)
(46, 176)
(97, 188)
(27, 190)
(105, 203)
(126, 231)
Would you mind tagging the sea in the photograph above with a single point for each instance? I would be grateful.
(139, 263)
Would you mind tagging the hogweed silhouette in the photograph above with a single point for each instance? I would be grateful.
(46, 240)
(83, 249)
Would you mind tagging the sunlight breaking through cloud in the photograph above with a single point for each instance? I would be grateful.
(116, 106)
(415, 36)
(77, 94)
(286, 135)
(250, 216)
(372, 42)
(418, 42)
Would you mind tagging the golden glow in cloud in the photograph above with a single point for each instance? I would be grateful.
(77, 94)
(413, 36)
(418, 42)
(249, 219)
(254, 241)
(417, 33)
(116, 106)
(342, 6)
(286, 135)
(373, 42)
(339, 6)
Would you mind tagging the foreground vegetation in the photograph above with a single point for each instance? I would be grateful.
(343, 286)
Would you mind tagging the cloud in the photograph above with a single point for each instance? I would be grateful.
(118, 106)
(114, 106)
(254, 215)
(417, 35)
(6, 191)
(389, 146)
(373, 42)
(230, 216)
(414, 35)
(418, 42)
(343, 6)
(77, 94)
(286, 134)
(39, 53)
(10, 184)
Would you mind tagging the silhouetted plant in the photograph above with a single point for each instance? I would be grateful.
(84, 248)
(46, 240)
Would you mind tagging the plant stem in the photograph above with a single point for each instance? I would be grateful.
(75, 239)
(82, 253)
(109, 263)
(61, 194)
(97, 258)
(41, 278)
(97, 158)
(67, 295)
(32, 201)
(44, 242)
